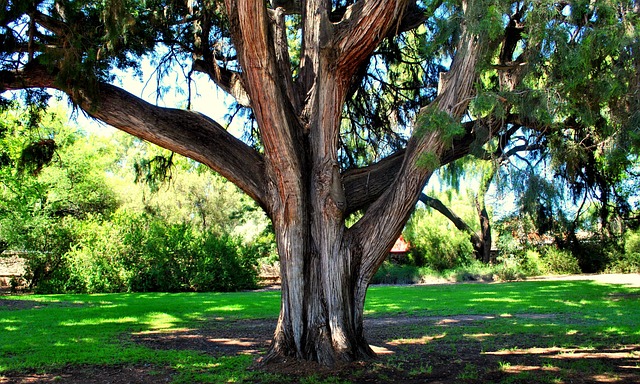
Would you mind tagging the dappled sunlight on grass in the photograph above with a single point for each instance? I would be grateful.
(497, 300)
(479, 336)
(626, 352)
(516, 369)
(495, 321)
(226, 308)
(421, 340)
(98, 321)
(595, 364)
(158, 320)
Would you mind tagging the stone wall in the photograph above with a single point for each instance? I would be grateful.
(11, 265)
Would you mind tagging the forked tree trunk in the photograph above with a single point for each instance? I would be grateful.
(325, 267)
(321, 318)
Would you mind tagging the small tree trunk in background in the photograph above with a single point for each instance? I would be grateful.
(483, 215)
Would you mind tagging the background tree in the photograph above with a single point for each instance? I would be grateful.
(70, 207)
(40, 204)
(417, 84)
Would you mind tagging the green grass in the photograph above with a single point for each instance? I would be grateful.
(69, 330)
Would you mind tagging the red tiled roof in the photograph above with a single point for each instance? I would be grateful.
(401, 246)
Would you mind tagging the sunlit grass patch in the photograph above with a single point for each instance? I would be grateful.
(536, 321)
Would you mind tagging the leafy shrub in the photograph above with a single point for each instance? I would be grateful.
(532, 263)
(629, 260)
(46, 242)
(95, 261)
(625, 263)
(163, 258)
(435, 246)
(474, 271)
(560, 262)
(138, 253)
(509, 269)
(391, 273)
(225, 265)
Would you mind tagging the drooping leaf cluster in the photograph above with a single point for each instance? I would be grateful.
(576, 104)
(83, 42)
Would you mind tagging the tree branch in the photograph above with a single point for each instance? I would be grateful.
(449, 214)
(362, 28)
(365, 185)
(249, 24)
(229, 81)
(185, 132)
(385, 218)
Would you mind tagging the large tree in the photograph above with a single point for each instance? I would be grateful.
(353, 105)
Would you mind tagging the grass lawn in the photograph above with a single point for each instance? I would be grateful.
(546, 331)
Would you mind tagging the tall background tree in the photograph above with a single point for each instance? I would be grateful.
(353, 105)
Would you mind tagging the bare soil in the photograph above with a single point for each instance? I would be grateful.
(405, 353)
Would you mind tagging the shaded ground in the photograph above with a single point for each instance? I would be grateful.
(411, 350)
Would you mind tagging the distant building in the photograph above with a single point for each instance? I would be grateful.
(398, 253)
(11, 267)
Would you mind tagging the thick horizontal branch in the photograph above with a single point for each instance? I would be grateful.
(185, 132)
(47, 22)
(229, 81)
(365, 185)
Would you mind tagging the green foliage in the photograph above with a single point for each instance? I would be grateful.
(435, 245)
(559, 262)
(391, 273)
(434, 120)
(40, 209)
(429, 161)
(629, 260)
(509, 269)
(137, 253)
(199, 233)
(154, 172)
(475, 270)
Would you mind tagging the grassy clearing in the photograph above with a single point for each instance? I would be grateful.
(500, 322)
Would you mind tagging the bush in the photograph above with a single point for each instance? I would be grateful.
(560, 262)
(95, 261)
(532, 263)
(391, 273)
(225, 265)
(474, 271)
(136, 253)
(46, 242)
(436, 246)
(173, 258)
(629, 260)
(510, 269)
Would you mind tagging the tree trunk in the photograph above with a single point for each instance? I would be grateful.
(325, 267)
(483, 215)
(320, 319)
